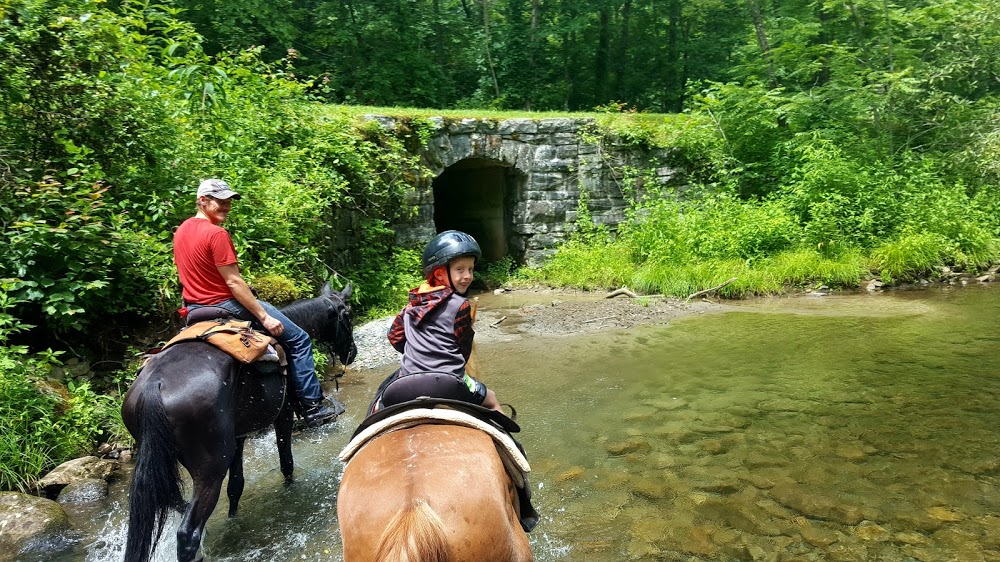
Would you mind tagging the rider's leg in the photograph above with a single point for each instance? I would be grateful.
(301, 363)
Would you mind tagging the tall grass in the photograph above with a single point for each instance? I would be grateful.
(676, 247)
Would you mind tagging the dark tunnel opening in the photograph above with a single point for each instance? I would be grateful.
(477, 196)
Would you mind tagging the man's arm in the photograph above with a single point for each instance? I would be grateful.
(241, 292)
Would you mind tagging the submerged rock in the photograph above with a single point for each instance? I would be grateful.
(817, 506)
(82, 491)
(631, 445)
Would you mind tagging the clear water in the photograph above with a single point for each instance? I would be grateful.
(838, 428)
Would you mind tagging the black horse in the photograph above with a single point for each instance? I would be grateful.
(194, 404)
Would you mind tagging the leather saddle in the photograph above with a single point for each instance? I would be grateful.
(215, 325)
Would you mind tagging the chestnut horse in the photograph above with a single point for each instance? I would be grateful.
(430, 493)
(194, 404)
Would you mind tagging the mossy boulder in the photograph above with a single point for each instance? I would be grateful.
(28, 523)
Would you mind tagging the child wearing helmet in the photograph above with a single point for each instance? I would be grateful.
(434, 331)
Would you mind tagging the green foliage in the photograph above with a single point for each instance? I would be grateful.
(496, 274)
(275, 288)
(66, 254)
(322, 361)
(859, 141)
(909, 255)
(42, 423)
(593, 265)
(388, 272)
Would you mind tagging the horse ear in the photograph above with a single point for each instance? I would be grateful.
(326, 290)
(346, 293)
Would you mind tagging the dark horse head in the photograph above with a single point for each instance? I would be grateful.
(327, 319)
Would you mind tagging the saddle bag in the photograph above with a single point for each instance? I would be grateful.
(235, 337)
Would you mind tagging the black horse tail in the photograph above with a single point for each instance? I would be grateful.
(156, 482)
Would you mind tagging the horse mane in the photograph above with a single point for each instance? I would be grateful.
(415, 534)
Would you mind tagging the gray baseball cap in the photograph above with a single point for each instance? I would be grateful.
(218, 189)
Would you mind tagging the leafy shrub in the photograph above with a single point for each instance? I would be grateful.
(42, 423)
(275, 288)
(908, 256)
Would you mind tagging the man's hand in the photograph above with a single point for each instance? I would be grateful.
(272, 325)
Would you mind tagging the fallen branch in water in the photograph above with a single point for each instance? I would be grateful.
(497, 323)
(706, 291)
(623, 291)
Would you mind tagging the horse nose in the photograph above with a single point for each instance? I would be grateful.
(351, 354)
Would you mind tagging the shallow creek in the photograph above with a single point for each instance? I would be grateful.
(845, 428)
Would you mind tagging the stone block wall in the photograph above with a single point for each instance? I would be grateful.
(548, 164)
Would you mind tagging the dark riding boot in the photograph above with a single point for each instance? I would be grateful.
(529, 515)
(317, 413)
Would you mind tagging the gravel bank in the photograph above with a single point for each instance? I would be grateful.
(513, 315)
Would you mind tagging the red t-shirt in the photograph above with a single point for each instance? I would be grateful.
(200, 247)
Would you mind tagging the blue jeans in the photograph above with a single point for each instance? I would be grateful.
(294, 339)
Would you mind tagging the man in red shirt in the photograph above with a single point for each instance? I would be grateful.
(210, 276)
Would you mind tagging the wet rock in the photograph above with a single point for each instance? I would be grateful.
(28, 522)
(916, 521)
(651, 488)
(956, 538)
(840, 552)
(699, 542)
(741, 516)
(631, 445)
(611, 480)
(77, 469)
(850, 452)
(661, 461)
(945, 514)
(911, 538)
(755, 460)
(871, 532)
(83, 491)
(816, 506)
(571, 473)
(818, 536)
(713, 446)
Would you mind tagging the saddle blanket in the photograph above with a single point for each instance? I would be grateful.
(515, 463)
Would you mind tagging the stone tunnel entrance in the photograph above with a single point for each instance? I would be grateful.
(477, 196)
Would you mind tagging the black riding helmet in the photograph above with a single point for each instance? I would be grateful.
(447, 246)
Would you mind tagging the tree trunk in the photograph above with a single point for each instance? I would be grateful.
(532, 48)
(489, 53)
(765, 50)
